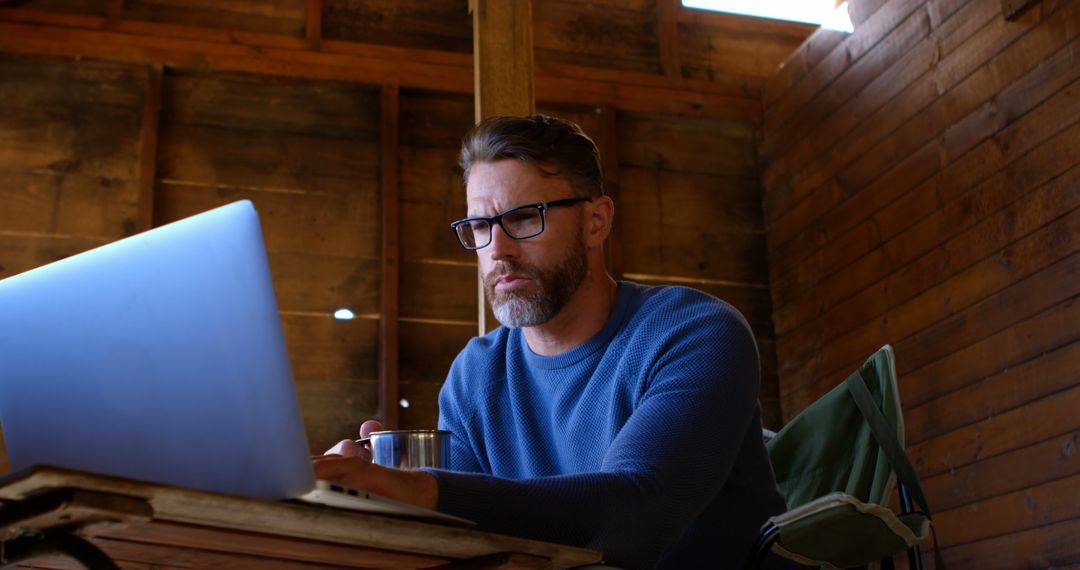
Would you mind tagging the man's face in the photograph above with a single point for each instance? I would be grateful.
(527, 281)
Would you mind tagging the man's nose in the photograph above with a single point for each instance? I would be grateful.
(502, 246)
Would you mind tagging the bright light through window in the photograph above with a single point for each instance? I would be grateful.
(823, 12)
(344, 315)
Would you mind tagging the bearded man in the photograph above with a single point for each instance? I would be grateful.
(603, 414)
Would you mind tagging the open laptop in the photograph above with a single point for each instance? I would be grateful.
(160, 357)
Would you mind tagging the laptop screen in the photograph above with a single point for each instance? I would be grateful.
(159, 357)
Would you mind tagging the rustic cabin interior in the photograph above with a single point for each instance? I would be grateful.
(913, 182)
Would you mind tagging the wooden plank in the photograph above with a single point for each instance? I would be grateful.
(687, 144)
(597, 34)
(324, 347)
(1052, 502)
(938, 321)
(327, 109)
(313, 283)
(35, 82)
(435, 119)
(428, 25)
(892, 56)
(931, 253)
(284, 17)
(301, 521)
(183, 46)
(93, 141)
(334, 408)
(917, 259)
(1010, 472)
(428, 349)
(298, 222)
(390, 259)
(1045, 546)
(927, 342)
(503, 58)
(856, 44)
(114, 9)
(862, 159)
(276, 161)
(1041, 333)
(667, 32)
(1018, 138)
(423, 399)
(440, 291)
(1018, 428)
(313, 22)
(22, 252)
(148, 139)
(707, 53)
(91, 7)
(1011, 388)
(753, 302)
(793, 70)
(67, 204)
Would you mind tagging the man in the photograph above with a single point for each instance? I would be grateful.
(602, 414)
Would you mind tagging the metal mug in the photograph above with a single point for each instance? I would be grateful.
(410, 448)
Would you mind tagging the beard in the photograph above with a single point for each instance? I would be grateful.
(537, 302)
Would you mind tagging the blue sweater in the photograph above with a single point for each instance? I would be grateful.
(644, 442)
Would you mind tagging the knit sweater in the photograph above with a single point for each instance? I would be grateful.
(643, 442)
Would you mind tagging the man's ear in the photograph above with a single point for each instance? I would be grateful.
(600, 214)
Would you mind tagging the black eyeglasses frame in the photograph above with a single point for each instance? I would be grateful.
(497, 219)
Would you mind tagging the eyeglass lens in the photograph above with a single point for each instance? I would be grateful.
(518, 224)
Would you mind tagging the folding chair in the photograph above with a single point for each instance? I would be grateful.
(836, 464)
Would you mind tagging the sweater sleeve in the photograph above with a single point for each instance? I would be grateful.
(668, 462)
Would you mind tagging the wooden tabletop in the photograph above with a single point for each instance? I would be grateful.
(141, 525)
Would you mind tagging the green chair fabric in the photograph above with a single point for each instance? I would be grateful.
(837, 464)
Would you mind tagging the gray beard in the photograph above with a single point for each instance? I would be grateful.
(549, 293)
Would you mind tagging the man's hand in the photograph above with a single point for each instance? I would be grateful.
(414, 487)
(349, 448)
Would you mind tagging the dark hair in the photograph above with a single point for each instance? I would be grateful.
(534, 140)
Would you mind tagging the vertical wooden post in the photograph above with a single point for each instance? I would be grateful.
(609, 160)
(502, 73)
(313, 23)
(148, 138)
(388, 324)
(667, 19)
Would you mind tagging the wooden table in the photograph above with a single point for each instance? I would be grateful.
(141, 525)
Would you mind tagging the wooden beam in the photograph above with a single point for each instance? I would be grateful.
(390, 266)
(31, 32)
(503, 58)
(667, 20)
(313, 23)
(148, 138)
(503, 79)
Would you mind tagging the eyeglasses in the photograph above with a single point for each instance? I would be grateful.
(522, 222)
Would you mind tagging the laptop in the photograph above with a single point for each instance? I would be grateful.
(160, 357)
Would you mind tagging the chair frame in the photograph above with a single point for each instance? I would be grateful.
(770, 534)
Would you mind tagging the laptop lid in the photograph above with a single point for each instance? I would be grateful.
(158, 357)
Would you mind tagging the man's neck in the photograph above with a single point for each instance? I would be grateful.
(581, 318)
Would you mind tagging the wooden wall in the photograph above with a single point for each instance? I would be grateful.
(118, 115)
(921, 189)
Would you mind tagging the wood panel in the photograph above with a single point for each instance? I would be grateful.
(920, 190)
(608, 34)
(306, 154)
(284, 17)
(443, 25)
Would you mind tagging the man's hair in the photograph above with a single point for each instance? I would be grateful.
(541, 141)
